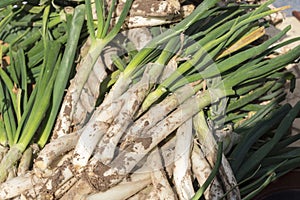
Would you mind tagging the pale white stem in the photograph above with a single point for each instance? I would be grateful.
(124, 189)
(100, 122)
(98, 125)
(14, 187)
(24, 184)
(55, 149)
(229, 179)
(182, 166)
(90, 92)
(209, 147)
(94, 131)
(88, 97)
(202, 169)
(160, 183)
(84, 69)
(61, 163)
(95, 167)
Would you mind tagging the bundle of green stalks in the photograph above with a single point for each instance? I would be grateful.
(193, 114)
(39, 55)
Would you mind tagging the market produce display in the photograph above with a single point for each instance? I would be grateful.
(189, 106)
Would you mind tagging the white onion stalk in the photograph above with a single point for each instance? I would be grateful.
(208, 146)
(25, 184)
(161, 186)
(94, 131)
(89, 95)
(182, 165)
(229, 179)
(84, 68)
(55, 149)
(97, 127)
(38, 186)
(202, 169)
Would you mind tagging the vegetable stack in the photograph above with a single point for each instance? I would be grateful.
(153, 123)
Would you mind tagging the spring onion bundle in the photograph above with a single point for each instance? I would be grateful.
(36, 55)
(167, 117)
